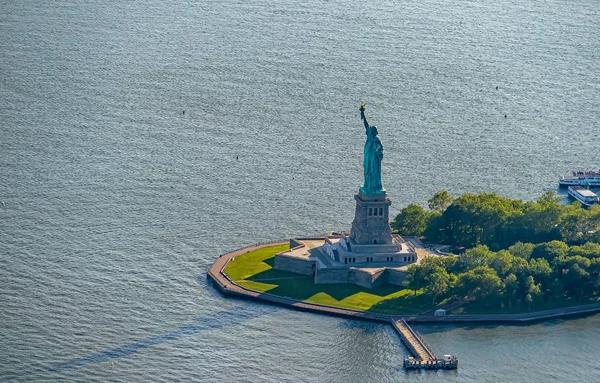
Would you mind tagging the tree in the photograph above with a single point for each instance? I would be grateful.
(557, 288)
(594, 267)
(412, 220)
(435, 231)
(549, 198)
(440, 201)
(574, 274)
(529, 300)
(511, 286)
(519, 267)
(482, 280)
(545, 214)
(477, 256)
(501, 262)
(589, 250)
(432, 275)
(574, 223)
(564, 263)
(475, 219)
(550, 250)
(522, 250)
(438, 283)
(532, 290)
(592, 230)
(553, 250)
(415, 278)
(499, 223)
(542, 272)
(576, 280)
(539, 220)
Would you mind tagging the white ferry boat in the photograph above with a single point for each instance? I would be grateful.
(586, 197)
(580, 178)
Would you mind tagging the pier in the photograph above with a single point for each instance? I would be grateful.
(422, 355)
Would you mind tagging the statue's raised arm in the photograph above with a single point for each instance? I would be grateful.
(364, 118)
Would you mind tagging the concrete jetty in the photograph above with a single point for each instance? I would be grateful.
(422, 355)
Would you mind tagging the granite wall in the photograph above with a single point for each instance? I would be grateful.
(295, 265)
(355, 276)
(365, 279)
(395, 277)
(325, 276)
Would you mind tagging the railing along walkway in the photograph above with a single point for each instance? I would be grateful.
(413, 341)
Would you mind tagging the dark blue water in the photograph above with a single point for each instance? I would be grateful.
(114, 201)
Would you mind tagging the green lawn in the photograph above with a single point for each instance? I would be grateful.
(254, 271)
(249, 264)
(487, 306)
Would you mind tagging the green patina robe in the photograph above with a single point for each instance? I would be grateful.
(373, 154)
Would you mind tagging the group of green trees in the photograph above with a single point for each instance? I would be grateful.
(518, 252)
(523, 274)
(498, 222)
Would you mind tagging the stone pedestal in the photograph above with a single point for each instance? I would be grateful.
(371, 225)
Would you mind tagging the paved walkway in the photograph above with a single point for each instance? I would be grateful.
(448, 306)
(509, 318)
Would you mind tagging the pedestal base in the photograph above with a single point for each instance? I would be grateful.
(371, 225)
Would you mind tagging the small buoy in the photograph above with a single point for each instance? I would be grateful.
(496, 88)
(184, 110)
(505, 116)
(236, 157)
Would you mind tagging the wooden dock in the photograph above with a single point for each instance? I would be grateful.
(422, 355)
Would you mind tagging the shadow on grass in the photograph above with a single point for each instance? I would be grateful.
(302, 287)
(270, 261)
(273, 274)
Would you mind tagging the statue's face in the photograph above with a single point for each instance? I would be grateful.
(374, 131)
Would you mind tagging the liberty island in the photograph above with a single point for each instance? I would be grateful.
(369, 257)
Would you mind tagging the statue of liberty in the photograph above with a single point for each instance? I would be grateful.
(373, 155)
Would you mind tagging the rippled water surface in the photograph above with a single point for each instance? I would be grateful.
(114, 201)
